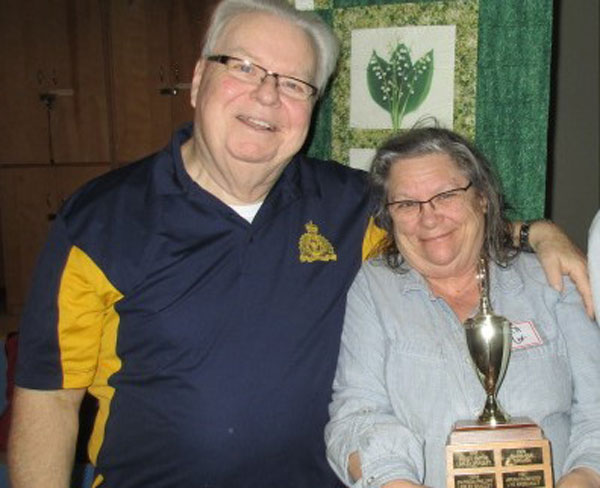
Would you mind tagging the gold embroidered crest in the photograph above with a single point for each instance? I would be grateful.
(315, 247)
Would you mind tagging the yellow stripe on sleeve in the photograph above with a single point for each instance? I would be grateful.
(108, 364)
(85, 298)
(87, 329)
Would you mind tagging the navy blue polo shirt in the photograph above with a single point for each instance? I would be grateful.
(210, 342)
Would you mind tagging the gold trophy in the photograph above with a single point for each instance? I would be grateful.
(494, 451)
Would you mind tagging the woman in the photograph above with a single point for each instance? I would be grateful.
(404, 372)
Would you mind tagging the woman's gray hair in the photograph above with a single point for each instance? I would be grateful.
(325, 43)
(497, 243)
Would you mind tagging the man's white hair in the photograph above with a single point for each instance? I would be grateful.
(326, 44)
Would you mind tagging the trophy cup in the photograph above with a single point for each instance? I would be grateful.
(494, 451)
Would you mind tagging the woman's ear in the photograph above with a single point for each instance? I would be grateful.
(483, 203)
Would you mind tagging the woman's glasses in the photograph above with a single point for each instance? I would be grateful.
(445, 201)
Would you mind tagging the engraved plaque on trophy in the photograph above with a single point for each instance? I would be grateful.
(494, 451)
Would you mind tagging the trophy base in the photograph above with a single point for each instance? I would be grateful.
(511, 455)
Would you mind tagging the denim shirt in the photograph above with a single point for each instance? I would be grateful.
(404, 373)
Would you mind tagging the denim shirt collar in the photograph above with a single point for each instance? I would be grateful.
(502, 282)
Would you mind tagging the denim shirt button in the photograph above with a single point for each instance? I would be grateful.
(370, 480)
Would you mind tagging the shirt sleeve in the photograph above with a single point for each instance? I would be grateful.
(583, 345)
(61, 326)
(362, 419)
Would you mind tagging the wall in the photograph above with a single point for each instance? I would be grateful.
(574, 188)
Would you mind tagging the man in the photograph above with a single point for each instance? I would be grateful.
(199, 293)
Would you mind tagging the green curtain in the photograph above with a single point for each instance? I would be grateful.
(513, 86)
(511, 90)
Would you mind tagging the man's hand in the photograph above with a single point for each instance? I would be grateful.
(560, 256)
(580, 478)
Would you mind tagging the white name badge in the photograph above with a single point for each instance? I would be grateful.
(525, 335)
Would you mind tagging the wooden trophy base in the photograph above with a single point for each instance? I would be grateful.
(513, 455)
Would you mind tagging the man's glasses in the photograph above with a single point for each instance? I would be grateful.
(445, 201)
(244, 70)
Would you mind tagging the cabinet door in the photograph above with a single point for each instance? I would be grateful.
(79, 119)
(189, 21)
(29, 199)
(23, 122)
(139, 38)
(54, 49)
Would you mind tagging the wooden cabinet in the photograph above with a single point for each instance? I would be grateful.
(53, 83)
(155, 45)
(85, 85)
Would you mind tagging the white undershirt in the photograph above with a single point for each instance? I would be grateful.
(247, 212)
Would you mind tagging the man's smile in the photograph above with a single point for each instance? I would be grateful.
(256, 123)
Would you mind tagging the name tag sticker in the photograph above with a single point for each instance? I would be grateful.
(525, 335)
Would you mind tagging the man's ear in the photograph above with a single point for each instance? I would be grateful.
(198, 72)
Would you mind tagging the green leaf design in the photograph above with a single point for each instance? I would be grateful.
(420, 83)
(402, 64)
(378, 81)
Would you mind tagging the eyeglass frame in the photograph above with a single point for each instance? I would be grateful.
(430, 200)
(224, 58)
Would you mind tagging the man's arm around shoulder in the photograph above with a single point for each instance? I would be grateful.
(43, 435)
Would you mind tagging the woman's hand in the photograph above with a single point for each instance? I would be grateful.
(580, 478)
(355, 471)
(401, 484)
(560, 256)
